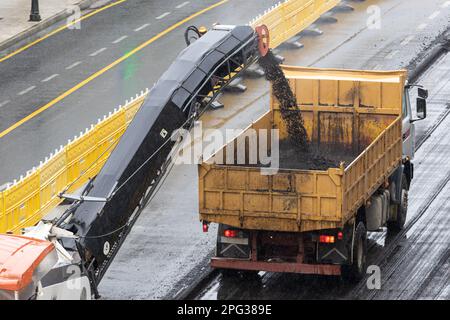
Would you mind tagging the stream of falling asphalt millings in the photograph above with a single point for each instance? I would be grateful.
(303, 153)
(288, 103)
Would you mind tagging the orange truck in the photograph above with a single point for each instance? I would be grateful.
(316, 221)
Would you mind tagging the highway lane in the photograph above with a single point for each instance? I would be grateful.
(70, 57)
(167, 246)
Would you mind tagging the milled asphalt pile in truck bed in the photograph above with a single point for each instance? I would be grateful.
(313, 158)
(290, 157)
(297, 152)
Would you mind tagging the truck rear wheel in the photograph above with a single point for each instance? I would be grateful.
(356, 271)
(402, 209)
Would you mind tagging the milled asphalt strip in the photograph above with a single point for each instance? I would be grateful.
(93, 54)
(73, 65)
(26, 90)
(433, 128)
(444, 258)
(390, 248)
(50, 78)
(181, 5)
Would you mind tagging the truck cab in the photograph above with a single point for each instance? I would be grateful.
(23, 262)
(408, 126)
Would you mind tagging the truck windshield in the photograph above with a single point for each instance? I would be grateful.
(405, 103)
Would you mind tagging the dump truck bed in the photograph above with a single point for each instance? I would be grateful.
(345, 111)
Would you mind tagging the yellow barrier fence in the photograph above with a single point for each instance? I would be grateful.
(286, 19)
(25, 202)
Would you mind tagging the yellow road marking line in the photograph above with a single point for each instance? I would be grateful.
(113, 64)
(60, 29)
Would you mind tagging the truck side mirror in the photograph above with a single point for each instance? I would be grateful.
(421, 108)
(423, 93)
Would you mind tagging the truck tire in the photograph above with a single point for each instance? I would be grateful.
(356, 271)
(402, 209)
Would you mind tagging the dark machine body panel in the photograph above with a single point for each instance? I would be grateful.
(170, 104)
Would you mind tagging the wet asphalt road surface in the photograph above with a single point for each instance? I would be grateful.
(35, 77)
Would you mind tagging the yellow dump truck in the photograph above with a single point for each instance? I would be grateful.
(294, 218)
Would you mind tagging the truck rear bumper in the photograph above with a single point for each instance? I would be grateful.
(291, 267)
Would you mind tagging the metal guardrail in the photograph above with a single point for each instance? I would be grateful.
(286, 19)
(24, 202)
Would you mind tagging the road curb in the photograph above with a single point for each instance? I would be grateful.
(30, 32)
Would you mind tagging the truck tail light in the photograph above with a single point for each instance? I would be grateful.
(230, 233)
(340, 235)
(205, 226)
(326, 239)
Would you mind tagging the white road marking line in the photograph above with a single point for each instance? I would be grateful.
(142, 27)
(93, 54)
(392, 54)
(73, 65)
(181, 5)
(434, 15)
(165, 14)
(50, 78)
(119, 39)
(178, 292)
(407, 40)
(422, 26)
(26, 90)
(4, 103)
(446, 4)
